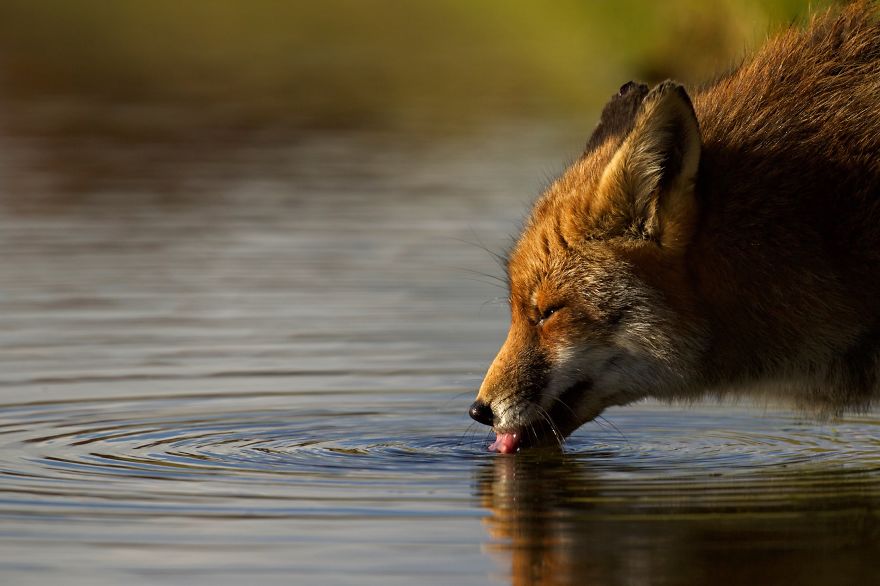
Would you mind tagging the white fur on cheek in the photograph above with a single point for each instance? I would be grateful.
(572, 365)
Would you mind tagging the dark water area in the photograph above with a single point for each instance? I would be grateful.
(251, 361)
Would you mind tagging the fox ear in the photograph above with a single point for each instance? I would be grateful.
(619, 114)
(647, 190)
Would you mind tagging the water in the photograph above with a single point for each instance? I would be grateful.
(253, 362)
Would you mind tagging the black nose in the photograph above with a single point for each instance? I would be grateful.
(482, 413)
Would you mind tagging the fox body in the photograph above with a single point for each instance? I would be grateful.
(722, 241)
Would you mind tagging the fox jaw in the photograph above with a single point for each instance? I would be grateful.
(599, 291)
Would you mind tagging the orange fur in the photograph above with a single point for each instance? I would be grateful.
(717, 243)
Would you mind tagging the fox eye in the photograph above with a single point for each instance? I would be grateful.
(548, 313)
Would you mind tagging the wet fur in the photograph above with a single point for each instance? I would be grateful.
(724, 240)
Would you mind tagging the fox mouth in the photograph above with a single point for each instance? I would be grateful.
(549, 428)
(506, 443)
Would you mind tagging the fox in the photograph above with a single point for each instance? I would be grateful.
(720, 241)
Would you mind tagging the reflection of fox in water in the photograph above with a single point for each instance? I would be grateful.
(565, 521)
(722, 241)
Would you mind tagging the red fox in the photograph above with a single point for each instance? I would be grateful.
(709, 243)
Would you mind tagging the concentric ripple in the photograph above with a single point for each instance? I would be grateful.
(305, 453)
(215, 452)
(242, 480)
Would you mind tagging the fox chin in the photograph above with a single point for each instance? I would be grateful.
(720, 241)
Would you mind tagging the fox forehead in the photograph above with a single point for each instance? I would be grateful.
(570, 197)
(538, 262)
(551, 245)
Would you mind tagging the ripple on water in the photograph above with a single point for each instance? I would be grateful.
(279, 454)
(331, 454)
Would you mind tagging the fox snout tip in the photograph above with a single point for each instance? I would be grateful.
(481, 413)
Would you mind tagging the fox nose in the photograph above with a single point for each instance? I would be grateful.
(482, 413)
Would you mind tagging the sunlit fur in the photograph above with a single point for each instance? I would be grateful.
(715, 241)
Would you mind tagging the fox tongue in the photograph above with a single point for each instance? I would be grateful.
(505, 443)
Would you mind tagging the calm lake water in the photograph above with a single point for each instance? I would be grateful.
(252, 364)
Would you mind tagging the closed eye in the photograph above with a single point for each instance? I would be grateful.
(548, 313)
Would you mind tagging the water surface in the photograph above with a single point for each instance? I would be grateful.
(253, 362)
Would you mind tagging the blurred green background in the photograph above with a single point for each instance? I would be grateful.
(147, 70)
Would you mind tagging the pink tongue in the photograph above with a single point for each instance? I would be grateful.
(505, 443)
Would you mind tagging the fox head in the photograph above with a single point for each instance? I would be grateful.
(602, 309)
